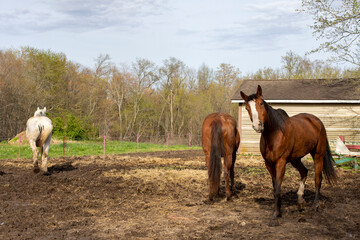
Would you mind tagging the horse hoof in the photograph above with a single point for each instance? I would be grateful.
(46, 174)
(301, 208)
(316, 208)
(274, 222)
(36, 170)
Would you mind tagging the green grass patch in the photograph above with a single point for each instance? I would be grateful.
(88, 148)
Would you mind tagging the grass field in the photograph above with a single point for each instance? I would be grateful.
(94, 148)
(88, 148)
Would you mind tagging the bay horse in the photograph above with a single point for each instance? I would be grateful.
(287, 139)
(220, 138)
(38, 132)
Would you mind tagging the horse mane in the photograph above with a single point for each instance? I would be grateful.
(277, 117)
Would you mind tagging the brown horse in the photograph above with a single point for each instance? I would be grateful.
(287, 139)
(220, 138)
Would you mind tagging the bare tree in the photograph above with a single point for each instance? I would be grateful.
(145, 75)
(205, 76)
(337, 22)
(227, 77)
(173, 77)
(297, 67)
(118, 88)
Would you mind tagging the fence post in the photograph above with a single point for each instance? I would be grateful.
(189, 139)
(63, 145)
(104, 144)
(137, 143)
(19, 147)
(167, 141)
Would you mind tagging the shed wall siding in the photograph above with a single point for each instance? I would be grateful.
(339, 120)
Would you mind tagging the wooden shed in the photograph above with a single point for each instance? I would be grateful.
(335, 101)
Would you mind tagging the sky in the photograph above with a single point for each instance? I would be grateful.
(249, 35)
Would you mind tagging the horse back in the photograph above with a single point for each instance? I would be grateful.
(229, 131)
(307, 130)
(300, 137)
(39, 129)
(304, 122)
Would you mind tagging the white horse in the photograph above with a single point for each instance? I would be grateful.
(38, 132)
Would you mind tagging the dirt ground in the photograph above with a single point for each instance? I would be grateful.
(164, 196)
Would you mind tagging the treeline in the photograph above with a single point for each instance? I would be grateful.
(124, 101)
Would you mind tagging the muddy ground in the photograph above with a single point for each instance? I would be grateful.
(164, 196)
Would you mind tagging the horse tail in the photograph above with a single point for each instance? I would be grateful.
(217, 150)
(328, 165)
(45, 133)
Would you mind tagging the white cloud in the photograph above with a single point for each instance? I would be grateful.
(75, 16)
(248, 34)
(264, 27)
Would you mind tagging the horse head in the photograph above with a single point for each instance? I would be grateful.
(255, 106)
(40, 112)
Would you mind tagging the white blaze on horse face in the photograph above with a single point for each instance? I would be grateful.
(255, 116)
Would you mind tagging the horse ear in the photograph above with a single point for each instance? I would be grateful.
(244, 96)
(259, 91)
(44, 109)
(38, 109)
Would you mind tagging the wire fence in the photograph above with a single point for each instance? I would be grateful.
(194, 139)
(189, 140)
(168, 140)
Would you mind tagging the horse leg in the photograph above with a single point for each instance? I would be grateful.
(271, 168)
(207, 159)
(232, 173)
(35, 155)
(303, 173)
(45, 154)
(44, 158)
(227, 173)
(318, 165)
(280, 171)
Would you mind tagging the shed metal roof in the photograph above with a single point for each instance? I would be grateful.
(303, 90)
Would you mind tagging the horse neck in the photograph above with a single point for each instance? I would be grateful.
(275, 120)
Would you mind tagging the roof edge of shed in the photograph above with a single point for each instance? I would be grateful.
(306, 101)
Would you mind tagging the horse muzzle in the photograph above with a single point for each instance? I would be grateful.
(258, 128)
